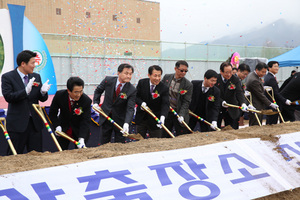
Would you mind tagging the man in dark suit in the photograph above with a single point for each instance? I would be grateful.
(254, 85)
(119, 103)
(270, 80)
(230, 92)
(205, 101)
(292, 92)
(153, 93)
(180, 94)
(293, 72)
(21, 88)
(74, 108)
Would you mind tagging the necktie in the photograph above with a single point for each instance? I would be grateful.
(203, 89)
(225, 80)
(72, 102)
(151, 89)
(118, 90)
(25, 80)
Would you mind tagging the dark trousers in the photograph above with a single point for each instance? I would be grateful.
(234, 123)
(172, 121)
(64, 143)
(107, 129)
(144, 127)
(252, 119)
(288, 113)
(272, 119)
(203, 127)
(30, 138)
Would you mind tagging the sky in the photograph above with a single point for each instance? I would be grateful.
(195, 21)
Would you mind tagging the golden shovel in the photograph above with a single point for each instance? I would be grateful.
(296, 103)
(264, 112)
(203, 120)
(147, 109)
(68, 138)
(273, 98)
(183, 122)
(3, 126)
(250, 101)
(40, 112)
(125, 134)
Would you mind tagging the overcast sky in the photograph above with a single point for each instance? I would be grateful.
(205, 20)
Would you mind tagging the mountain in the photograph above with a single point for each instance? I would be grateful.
(277, 34)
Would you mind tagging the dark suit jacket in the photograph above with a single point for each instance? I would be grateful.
(19, 103)
(269, 80)
(80, 124)
(233, 96)
(159, 106)
(255, 86)
(212, 107)
(292, 90)
(122, 108)
(183, 101)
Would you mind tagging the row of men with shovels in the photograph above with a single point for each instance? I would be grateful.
(161, 105)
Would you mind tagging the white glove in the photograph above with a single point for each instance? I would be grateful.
(268, 88)
(143, 105)
(180, 119)
(223, 104)
(214, 125)
(274, 106)
(288, 102)
(45, 87)
(162, 120)
(125, 128)
(244, 108)
(29, 85)
(96, 106)
(247, 93)
(81, 143)
(251, 107)
(59, 130)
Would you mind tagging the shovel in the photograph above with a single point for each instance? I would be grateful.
(40, 112)
(250, 101)
(125, 134)
(157, 120)
(3, 126)
(203, 120)
(183, 122)
(273, 98)
(264, 112)
(296, 103)
(68, 138)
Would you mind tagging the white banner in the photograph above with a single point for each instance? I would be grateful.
(240, 169)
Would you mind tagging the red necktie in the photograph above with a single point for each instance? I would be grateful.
(118, 90)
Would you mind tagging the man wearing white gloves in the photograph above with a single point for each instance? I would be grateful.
(119, 103)
(254, 85)
(180, 95)
(21, 88)
(271, 81)
(205, 101)
(74, 109)
(230, 92)
(152, 93)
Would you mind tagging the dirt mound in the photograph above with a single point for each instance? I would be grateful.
(36, 160)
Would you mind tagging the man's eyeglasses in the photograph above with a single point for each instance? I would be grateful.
(181, 70)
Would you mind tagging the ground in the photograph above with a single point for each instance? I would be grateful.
(35, 160)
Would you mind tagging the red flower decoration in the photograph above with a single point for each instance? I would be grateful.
(35, 84)
(231, 86)
(155, 95)
(78, 111)
(123, 95)
(211, 98)
(182, 92)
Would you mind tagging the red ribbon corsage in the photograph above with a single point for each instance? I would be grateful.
(155, 95)
(231, 86)
(182, 92)
(35, 84)
(211, 98)
(123, 95)
(78, 111)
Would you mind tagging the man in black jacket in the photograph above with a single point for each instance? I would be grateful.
(74, 108)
